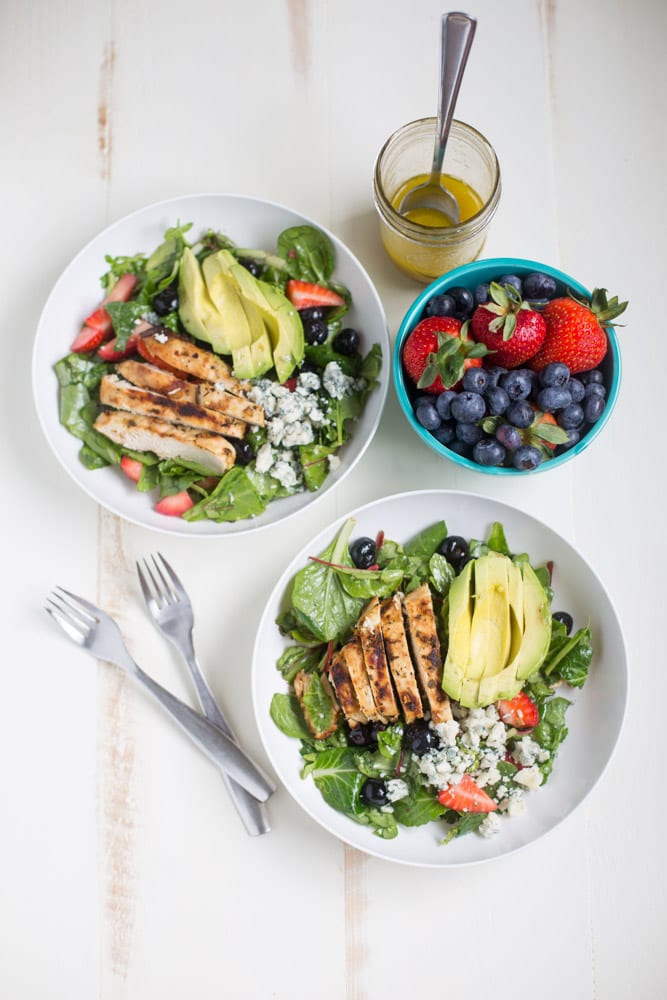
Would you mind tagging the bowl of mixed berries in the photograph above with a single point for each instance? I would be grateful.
(508, 366)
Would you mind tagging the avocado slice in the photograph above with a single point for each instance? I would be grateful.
(490, 626)
(279, 315)
(460, 621)
(197, 312)
(225, 296)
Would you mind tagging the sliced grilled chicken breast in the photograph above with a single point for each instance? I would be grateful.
(167, 440)
(346, 695)
(183, 356)
(354, 661)
(398, 658)
(369, 631)
(214, 398)
(122, 395)
(157, 380)
(302, 682)
(425, 645)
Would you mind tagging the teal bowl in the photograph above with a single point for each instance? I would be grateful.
(469, 276)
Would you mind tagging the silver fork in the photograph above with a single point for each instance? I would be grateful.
(98, 633)
(171, 610)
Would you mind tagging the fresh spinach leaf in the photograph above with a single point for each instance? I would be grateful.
(288, 717)
(125, 316)
(296, 658)
(308, 254)
(336, 776)
(464, 823)
(233, 499)
(569, 657)
(419, 807)
(318, 705)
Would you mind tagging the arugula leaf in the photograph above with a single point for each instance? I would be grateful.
(308, 253)
(288, 717)
(318, 598)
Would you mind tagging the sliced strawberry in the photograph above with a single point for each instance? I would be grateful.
(100, 320)
(290, 384)
(175, 505)
(87, 339)
(304, 295)
(520, 712)
(131, 467)
(466, 797)
(108, 351)
(123, 288)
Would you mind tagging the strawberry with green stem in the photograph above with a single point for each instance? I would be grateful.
(576, 331)
(508, 326)
(438, 351)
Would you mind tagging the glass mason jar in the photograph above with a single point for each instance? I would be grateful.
(426, 252)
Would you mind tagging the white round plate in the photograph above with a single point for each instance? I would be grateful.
(594, 719)
(249, 222)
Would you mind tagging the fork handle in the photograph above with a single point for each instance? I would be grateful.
(216, 744)
(253, 813)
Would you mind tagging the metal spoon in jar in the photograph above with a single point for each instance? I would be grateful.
(458, 31)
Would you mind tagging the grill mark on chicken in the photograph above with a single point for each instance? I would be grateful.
(425, 646)
(372, 644)
(166, 440)
(344, 688)
(398, 658)
(354, 661)
(234, 406)
(148, 376)
(184, 356)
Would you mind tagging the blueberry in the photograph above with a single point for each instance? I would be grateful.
(538, 285)
(511, 279)
(509, 436)
(552, 399)
(520, 413)
(253, 266)
(456, 551)
(420, 738)
(468, 407)
(576, 389)
(475, 380)
(517, 383)
(428, 416)
(315, 331)
(481, 293)
(468, 433)
(526, 458)
(346, 342)
(554, 374)
(374, 792)
(497, 400)
(166, 301)
(487, 451)
(312, 312)
(594, 389)
(363, 552)
(460, 448)
(571, 417)
(494, 372)
(445, 433)
(443, 403)
(362, 735)
(463, 299)
(244, 450)
(565, 618)
(591, 376)
(593, 408)
(440, 305)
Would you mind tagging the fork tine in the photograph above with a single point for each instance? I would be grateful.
(142, 572)
(69, 627)
(177, 586)
(85, 609)
(72, 610)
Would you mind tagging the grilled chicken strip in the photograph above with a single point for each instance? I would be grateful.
(166, 440)
(122, 395)
(339, 675)
(302, 682)
(398, 658)
(158, 380)
(214, 398)
(356, 668)
(181, 355)
(369, 631)
(423, 635)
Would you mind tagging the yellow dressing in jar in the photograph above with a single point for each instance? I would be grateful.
(469, 201)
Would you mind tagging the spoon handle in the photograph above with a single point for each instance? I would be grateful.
(458, 31)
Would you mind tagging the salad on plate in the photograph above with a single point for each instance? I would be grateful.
(427, 682)
(218, 378)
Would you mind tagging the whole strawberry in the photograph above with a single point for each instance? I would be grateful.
(576, 331)
(438, 351)
(508, 326)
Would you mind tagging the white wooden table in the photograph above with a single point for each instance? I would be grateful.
(125, 871)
